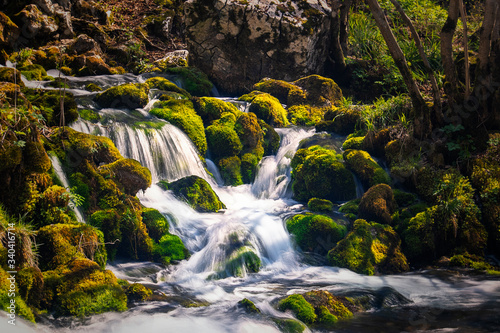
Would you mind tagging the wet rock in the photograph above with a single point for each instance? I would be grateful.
(198, 193)
(237, 43)
(64, 20)
(45, 6)
(173, 59)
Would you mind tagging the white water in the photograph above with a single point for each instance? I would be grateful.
(61, 175)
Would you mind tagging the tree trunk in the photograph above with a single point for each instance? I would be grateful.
(438, 114)
(336, 53)
(422, 120)
(344, 24)
(450, 72)
(466, 49)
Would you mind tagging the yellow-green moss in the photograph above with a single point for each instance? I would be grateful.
(162, 83)
(223, 141)
(230, 169)
(33, 72)
(195, 81)
(342, 120)
(48, 101)
(129, 173)
(198, 193)
(353, 143)
(319, 205)
(363, 165)
(305, 115)
(21, 309)
(300, 307)
(378, 204)
(127, 95)
(267, 108)
(182, 114)
(210, 108)
(138, 292)
(251, 134)
(11, 75)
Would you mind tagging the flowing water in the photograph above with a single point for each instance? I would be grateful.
(197, 301)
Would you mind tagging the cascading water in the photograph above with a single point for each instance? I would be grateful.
(254, 222)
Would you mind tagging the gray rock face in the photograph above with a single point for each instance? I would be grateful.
(35, 24)
(239, 42)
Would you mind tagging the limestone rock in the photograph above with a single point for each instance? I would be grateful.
(83, 44)
(35, 24)
(237, 43)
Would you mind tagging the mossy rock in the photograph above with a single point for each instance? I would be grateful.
(169, 248)
(277, 88)
(289, 325)
(230, 169)
(128, 173)
(239, 262)
(10, 94)
(271, 139)
(34, 72)
(343, 121)
(249, 164)
(365, 167)
(251, 134)
(93, 87)
(300, 308)
(329, 308)
(313, 232)
(305, 115)
(60, 243)
(198, 193)
(223, 141)
(89, 115)
(320, 91)
(30, 284)
(375, 142)
(162, 83)
(319, 205)
(353, 143)
(81, 288)
(20, 307)
(195, 81)
(368, 249)
(181, 113)
(156, 223)
(248, 306)
(128, 95)
(50, 106)
(378, 204)
(35, 157)
(137, 292)
(211, 108)
(267, 108)
(320, 173)
(12, 75)
(10, 157)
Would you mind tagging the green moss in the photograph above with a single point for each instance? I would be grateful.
(223, 141)
(319, 172)
(363, 165)
(129, 174)
(249, 164)
(353, 143)
(11, 75)
(168, 248)
(30, 283)
(138, 293)
(378, 204)
(49, 104)
(271, 139)
(267, 108)
(305, 115)
(300, 307)
(251, 134)
(20, 307)
(81, 288)
(195, 81)
(289, 325)
(248, 306)
(319, 205)
(93, 87)
(60, 243)
(404, 199)
(182, 114)
(320, 91)
(369, 248)
(239, 262)
(35, 157)
(197, 193)
(230, 169)
(328, 307)
(342, 120)
(312, 231)
(277, 88)
(155, 222)
(163, 84)
(127, 95)
(33, 72)
(109, 223)
(210, 108)
(89, 115)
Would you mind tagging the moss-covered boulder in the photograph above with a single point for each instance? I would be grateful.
(194, 80)
(34, 72)
(305, 115)
(169, 249)
(8, 282)
(128, 95)
(82, 288)
(267, 108)
(30, 284)
(181, 113)
(355, 142)
(320, 91)
(343, 120)
(378, 204)
(318, 308)
(230, 169)
(248, 306)
(211, 108)
(129, 174)
(9, 32)
(319, 172)
(251, 134)
(313, 232)
(368, 249)
(271, 138)
(239, 262)
(12, 75)
(162, 83)
(197, 193)
(60, 243)
(223, 141)
(364, 166)
(137, 292)
(279, 89)
(319, 205)
(155, 222)
(50, 106)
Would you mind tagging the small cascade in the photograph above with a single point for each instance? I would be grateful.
(274, 172)
(61, 175)
(163, 148)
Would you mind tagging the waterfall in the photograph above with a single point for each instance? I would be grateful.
(274, 172)
(164, 149)
(56, 165)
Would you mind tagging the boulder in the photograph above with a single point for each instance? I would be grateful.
(378, 204)
(198, 193)
(84, 44)
(36, 25)
(9, 32)
(237, 43)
